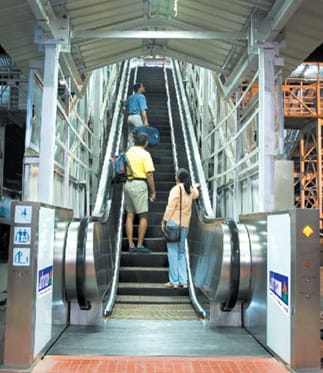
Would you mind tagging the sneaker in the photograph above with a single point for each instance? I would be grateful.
(133, 249)
(143, 250)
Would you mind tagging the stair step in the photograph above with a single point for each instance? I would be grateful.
(145, 299)
(149, 289)
(155, 259)
(156, 245)
(143, 274)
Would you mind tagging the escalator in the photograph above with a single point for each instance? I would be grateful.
(142, 292)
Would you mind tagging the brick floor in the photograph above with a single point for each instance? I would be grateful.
(165, 364)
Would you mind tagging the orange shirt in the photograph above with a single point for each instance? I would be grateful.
(172, 211)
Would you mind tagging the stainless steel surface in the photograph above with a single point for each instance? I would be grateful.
(284, 184)
(103, 199)
(245, 263)
(115, 277)
(255, 310)
(199, 309)
(191, 148)
(70, 260)
(304, 286)
(305, 329)
(20, 329)
(103, 231)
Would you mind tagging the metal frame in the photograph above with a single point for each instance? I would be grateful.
(238, 137)
(303, 102)
(75, 180)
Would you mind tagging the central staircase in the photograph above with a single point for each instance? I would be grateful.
(142, 293)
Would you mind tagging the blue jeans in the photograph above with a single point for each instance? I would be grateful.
(176, 258)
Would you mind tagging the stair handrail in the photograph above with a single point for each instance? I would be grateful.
(191, 147)
(171, 123)
(191, 289)
(103, 202)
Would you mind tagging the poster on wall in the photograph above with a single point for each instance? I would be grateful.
(279, 290)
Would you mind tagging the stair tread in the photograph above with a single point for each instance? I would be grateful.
(154, 253)
(153, 299)
(150, 269)
(146, 285)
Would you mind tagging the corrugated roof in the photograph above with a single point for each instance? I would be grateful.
(303, 31)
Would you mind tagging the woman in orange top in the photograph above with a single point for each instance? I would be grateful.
(175, 216)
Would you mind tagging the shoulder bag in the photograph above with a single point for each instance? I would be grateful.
(173, 233)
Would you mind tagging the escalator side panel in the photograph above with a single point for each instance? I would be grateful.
(255, 311)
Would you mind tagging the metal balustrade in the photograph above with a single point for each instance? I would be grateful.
(226, 133)
(81, 135)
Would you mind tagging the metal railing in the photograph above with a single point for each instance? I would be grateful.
(102, 203)
(195, 164)
(225, 137)
(196, 304)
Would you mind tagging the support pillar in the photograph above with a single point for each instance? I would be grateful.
(2, 153)
(205, 123)
(266, 129)
(48, 125)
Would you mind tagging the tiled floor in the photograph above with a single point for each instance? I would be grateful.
(139, 364)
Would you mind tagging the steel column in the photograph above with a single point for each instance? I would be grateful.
(266, 129)
(319, 146)
(205, 122)
(2, 153)
(48, 124)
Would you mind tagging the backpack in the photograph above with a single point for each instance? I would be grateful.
(119, 163)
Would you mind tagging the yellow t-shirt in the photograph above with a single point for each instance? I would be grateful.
(140, 161)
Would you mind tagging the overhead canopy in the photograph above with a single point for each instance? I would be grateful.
(215, 34)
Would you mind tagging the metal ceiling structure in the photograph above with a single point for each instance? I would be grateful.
(216, 34)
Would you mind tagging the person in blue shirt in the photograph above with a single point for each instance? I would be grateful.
(136, 105)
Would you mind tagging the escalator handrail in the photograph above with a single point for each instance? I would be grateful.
(102, 205)
(171, 123)
(191, 147)
(196, 304)
(115, 278)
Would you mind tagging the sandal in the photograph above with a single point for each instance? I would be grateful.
(170, 285)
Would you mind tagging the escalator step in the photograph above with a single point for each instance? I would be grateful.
(149, 289)
(143, 274)
(143, 299)
(155, 259)
(183, 311)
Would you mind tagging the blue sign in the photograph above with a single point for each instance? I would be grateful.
(278, 286)
(21, 256)
(45, 279)
(22, 236)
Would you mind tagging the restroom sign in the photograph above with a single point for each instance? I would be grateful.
(22, 236)
(21, 256)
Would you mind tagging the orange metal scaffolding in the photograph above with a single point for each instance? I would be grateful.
(303, 99)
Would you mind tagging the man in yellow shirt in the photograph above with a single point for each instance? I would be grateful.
(136, 191)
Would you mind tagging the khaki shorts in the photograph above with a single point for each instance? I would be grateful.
(134, 121)
(136, 196)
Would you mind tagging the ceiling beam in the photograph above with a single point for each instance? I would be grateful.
(141, 34)
(273, 24)
(259, 4)
(167, 52)
(50, 28)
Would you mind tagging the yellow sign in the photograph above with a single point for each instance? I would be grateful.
(308, 231)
